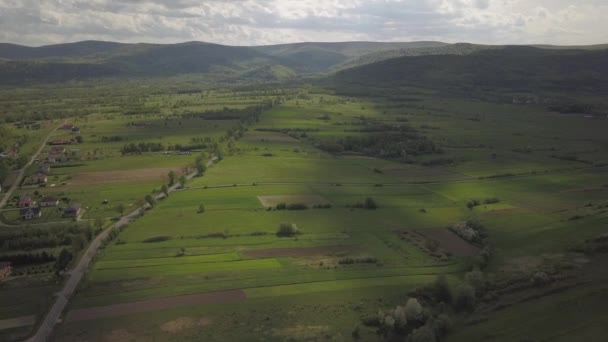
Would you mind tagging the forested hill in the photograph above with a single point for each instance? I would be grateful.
(514, 67)
(382, 62)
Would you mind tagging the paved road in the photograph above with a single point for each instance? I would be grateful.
(19, 178)
(52, 317)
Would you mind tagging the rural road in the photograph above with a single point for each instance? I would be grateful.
(52, 317)
(19, 178)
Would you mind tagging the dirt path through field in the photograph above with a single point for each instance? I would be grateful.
(154, 305)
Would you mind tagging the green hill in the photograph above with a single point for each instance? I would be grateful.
(514, 67)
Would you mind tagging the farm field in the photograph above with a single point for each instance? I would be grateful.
(347, 259)
(320, 211)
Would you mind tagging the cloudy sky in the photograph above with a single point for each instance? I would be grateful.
(255, 22)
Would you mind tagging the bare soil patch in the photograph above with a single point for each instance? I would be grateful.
(123, 176)
(119, 335)
(450, 242)
(178, 325)
(154, 305)
(297, 252)
(271, 201)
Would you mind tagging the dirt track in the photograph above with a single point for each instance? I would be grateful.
(154, 305)
(296, 252)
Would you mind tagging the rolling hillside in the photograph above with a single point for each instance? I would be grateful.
(515, 67)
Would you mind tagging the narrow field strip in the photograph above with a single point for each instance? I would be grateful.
(154, 305)
(184, 260)
(17, 322)
(169, 270)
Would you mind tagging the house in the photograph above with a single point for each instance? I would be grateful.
(39, 178)
(67, 126)
(5, 269)
(72, 211)
(75, 130)
(57, 150)
(57, 158)
(30, 213)
(45, 168)
(49, 202)
(25, 201)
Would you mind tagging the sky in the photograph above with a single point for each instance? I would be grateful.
(260, 22)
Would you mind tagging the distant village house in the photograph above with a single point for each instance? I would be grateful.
(49, 202)
(25, 201)
(72, 211)
(30, 213)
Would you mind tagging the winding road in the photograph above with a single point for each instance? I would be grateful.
(63, 296)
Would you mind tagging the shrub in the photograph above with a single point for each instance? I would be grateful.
(491, 200)
(370, 203)
(297, 206)
(441, 289)
(281, 206)
(477, 280)
(287, 230)
(157, 239)
(413, 310)
(464, 298)
(540, 279)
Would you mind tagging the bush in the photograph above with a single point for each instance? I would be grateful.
(297, 206)
(441, 289)
(287, 230)
(157, 239)
(477, 280)
(413, 310)
(540, 279)
(491, 200)
(464, 298)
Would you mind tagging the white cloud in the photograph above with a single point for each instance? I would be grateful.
(252, 22)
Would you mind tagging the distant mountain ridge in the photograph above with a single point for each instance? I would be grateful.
(91, 59)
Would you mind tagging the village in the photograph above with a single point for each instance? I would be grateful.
(32, 206)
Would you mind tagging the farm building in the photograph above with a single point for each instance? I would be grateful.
(67, 126)
(72, 211)
(30, 213)
(39, 178)
(5, 269)
(57, 149)
(75, 130)
(57, 158)
(49, 202)
(25, 201)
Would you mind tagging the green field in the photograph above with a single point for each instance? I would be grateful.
(347, 261)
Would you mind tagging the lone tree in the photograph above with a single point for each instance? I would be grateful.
(151, 201)
(165, 190)
(200, 168)
(121, 208)
(201, 209)
(172, 177)
(182, 181)
(287, 230)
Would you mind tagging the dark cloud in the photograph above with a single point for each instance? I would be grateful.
(252, 22)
